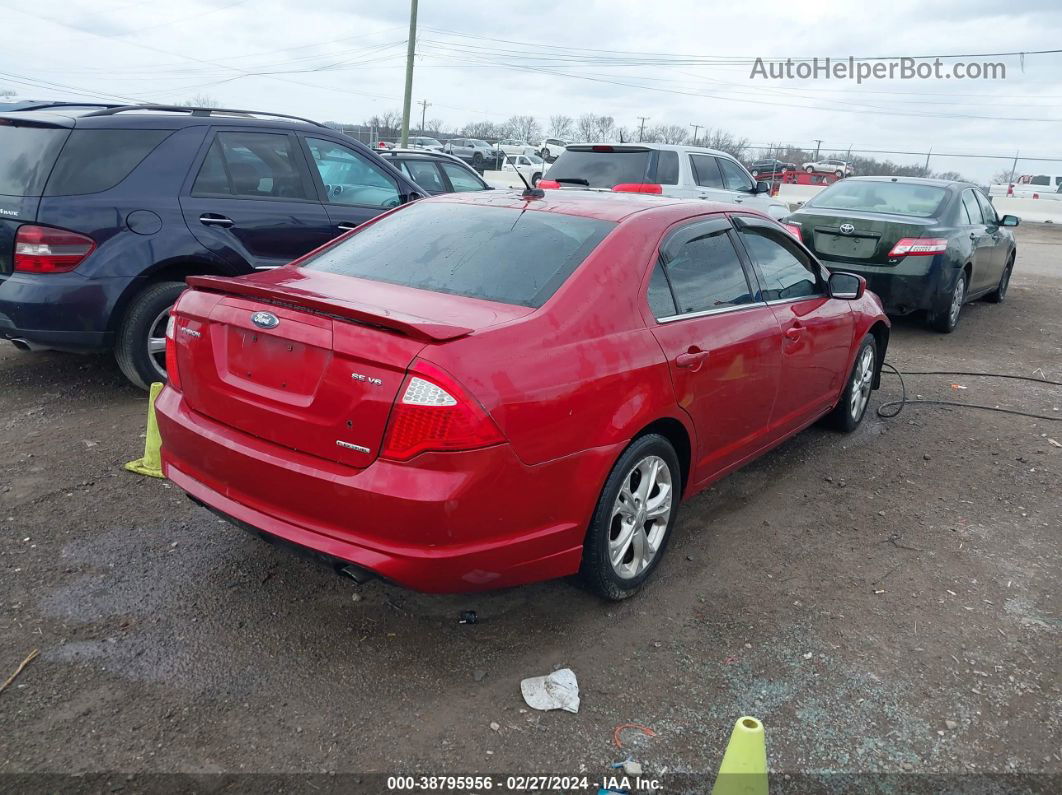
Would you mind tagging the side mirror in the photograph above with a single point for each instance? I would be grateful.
(762, 187)
(846, 286)
(1009, 220)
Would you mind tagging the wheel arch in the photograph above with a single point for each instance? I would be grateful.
(679, 436)
(880, 331)
(176, 270)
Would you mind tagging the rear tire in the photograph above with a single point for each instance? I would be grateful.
(535, 178)
(838, 173)
(946, 317)
(999, 295)
(632, 522)
(137, 348)
(852, 407)
(477, 160)
(810, 170)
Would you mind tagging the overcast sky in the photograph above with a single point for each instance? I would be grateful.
(677, 62)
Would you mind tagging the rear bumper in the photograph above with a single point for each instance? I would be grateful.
(913, 284)
(64, 311)
(444, 522)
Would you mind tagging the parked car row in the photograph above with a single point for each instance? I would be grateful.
(369, 357)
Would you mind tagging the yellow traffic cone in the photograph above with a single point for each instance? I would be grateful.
(151, 463)
(743, 770)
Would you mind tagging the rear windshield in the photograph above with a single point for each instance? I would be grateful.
(601, 169)
(97, 160)
(494, 253)
(27, 155)
(897, 198)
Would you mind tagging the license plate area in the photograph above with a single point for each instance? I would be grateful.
(851, 246)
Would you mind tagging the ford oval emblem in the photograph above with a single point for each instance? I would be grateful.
(265, 320)
(847, 229)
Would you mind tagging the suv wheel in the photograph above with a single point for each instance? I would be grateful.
(477, 159)
(633, 519)
(141, 345)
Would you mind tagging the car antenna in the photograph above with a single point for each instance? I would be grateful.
(530, 193)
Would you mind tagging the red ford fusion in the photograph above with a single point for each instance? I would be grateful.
(488, 389)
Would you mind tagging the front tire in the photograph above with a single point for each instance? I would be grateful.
(850, 410)
(535, 178)
(632, 522)
(946, 317)
(810, 170)
(999, 295)
(141, 345)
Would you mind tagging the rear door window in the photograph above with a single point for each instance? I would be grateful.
(987, 210)
(461, 179)
(494, 253)
(705, 272)
(27, 155)
(96, 160)
(667, 171)
(425, 174)
(253, 166)
(973, 209)
(706, 171)
(602, 169)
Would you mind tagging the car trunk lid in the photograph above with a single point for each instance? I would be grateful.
(857, 237)
(292, 357)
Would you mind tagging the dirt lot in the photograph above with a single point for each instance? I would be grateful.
(885, 602)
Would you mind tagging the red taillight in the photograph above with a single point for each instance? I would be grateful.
(794, 230)
(548, 184)
(638, 187)
(173, 375)
(918, 247)
(42, 249)
(434, 413)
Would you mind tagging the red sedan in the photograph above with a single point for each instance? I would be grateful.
(487, 389)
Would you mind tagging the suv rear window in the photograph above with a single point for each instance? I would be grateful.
(602, 169)
(27, 155)
(97, 160)
(494, 253)
(897, 198)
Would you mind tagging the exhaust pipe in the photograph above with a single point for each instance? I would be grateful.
(359, 574)
(26, 345)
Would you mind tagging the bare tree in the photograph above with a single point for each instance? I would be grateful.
(725, 142)
(586, 126)
(625, 135)
(525, 128)
(561, 126)
(482, 129)
(6, 92)
(670, 133)
(435, 126)
(1003, 177)
(200, 101)
(606, 128)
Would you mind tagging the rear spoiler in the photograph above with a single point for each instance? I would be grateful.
(409, 325)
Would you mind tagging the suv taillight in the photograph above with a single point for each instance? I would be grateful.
(433, 412)
(43, 249)
(638, 187)
(794, 230)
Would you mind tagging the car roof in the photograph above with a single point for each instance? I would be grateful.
(419, 154)
(940, 183)
(100, 116)
(704, 150)
(601, 205)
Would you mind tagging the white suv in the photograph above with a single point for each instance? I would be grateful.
(838, 168)
(686, 172)
(551, 148)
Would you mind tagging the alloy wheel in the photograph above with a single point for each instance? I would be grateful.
(862, 382)
(956, 300)
(640, 517)
(156, 343)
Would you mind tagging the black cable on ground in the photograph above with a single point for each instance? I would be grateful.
(904, 400)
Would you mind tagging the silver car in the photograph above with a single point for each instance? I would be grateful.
(471, 150)
(687, 172)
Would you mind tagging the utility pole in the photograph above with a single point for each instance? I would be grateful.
(424, 105)
(410, 49)
(1013, 168)
(695, 127)
(925, 168)
(641, 127)
(818, 143)
(848, 157)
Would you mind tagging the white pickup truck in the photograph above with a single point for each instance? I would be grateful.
(1030, 186)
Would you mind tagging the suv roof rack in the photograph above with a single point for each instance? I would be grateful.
(111, 110)
(33, 105)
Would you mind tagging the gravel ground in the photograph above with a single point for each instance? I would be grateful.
(885, 602)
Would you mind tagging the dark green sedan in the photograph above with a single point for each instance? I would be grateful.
(921, 244)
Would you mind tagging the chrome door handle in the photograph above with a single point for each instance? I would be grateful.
(211, 219)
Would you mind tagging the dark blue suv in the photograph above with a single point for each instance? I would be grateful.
(104, 210)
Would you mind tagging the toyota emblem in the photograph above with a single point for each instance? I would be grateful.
(847, 229)
(265, 320)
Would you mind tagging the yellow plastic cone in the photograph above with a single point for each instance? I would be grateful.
(151, 463)
(743, 770)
